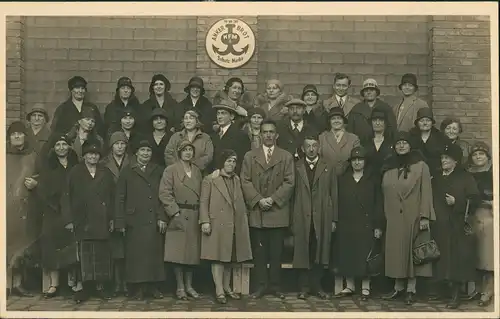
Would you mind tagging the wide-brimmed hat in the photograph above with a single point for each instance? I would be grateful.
(182, 145)
(409, 78)
(370, 84)
(424, 113)
(91, 146)
(125, 81)
(309, 88)
(357, 152)
(195, 82)
(337, 111)
(159, 77)
(77, 81)
(296, 102)
(454, 151)
(229, 106)
(40, 108)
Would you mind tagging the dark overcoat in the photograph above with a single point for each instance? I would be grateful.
(182, 239)
(203, 107)
(234, 139)
(361, 211)
(458, 251)
(117, 243)
(114, 112)
(88, 202)
(377, 157)
(316, 117)
(276, 180)
(290, 141)
(138, 210)
(158, 155)
(143, 116)
(406, 201)
(360, 122)
(318, 206)
(66, 115)
(50, 190)
(431, 149)
(228, 218)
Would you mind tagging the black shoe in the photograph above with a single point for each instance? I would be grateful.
(410, 298)
(51, 294)
(139, 295)
(475, 295)
(455, 297)
(103, 294)
(156, 294)
(20, 292)
(258, 294)
(302, 295)
(393, 295)
(80, 296)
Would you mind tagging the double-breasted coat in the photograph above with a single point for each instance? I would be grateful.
(117, 243)
(361, 211)
(20, 164)
(228, 218)
(317, 205)
(88, 202)
(203, 149)
(458, 250)
(406, 201)
(234, 139)
(406, 112)
(138, 210)
(431, 149)
(276, 180)
(335, 152)
(360, 122)
(180, 193)
(50, 189)
(278, 111)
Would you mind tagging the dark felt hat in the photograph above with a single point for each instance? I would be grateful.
(127, 111)
(357, 152)
(309, 88)
(87, 113)
(256, 110)
(195, 81)
(480, 146)
(91, 146)
(18, 127)
(409, 78)
(337, 111)
(223, 156)
(159, 77)
(125, 81)
(159, 111)
(76, 81)
(142, 143)
(424, 112)
(298, 102)
(378, 113)
(40, 108)
(454, 151)
(402, 136)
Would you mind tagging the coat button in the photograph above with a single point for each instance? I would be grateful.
(150, 222)
(150, 197)
(103, 204)
(151, 210)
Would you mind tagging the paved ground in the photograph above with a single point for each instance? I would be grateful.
(207, 303)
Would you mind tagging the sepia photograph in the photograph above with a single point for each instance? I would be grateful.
(173, 159)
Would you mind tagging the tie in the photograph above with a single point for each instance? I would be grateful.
(296, 127)
(311, 165)
(221, 132)
(269, 154)
(341, 102)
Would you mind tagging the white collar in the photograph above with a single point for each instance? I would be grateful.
(314, 161)
(343, 98)
(224, 128)
(267, 148)
(299, 125)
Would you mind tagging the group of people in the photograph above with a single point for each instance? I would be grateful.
(112, 198)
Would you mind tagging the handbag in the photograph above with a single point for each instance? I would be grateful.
(425, 250)
(375, 260)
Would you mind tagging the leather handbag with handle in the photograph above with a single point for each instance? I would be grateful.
(425, 249)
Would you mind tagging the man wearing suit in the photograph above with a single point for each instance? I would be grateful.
(229, 136)
(340, 98)
(314, 217)
(406, 111)
(293, 129)
(268, 180)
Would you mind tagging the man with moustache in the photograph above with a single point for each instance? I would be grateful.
(267, 180)
(314, 217)
(293, 129)
(68, 113)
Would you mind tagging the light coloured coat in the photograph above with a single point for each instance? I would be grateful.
(411, 105)
(335, 152)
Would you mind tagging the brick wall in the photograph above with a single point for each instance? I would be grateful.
(450, 55)
(460, 66)
(15, 68)
(102, 49)
(310, 49)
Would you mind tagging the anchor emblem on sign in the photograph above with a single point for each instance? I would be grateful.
(230, 39)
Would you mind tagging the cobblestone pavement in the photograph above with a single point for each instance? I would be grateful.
(207, 303)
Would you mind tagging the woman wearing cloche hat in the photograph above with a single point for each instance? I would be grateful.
(314, 113)
(406, 110)
(197, 100)
(124, 97)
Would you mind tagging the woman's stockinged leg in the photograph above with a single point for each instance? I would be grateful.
(179, 277)
(227, 278)
(218, 275)
(411, 285)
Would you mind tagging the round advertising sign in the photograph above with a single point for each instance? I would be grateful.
(230, 43)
